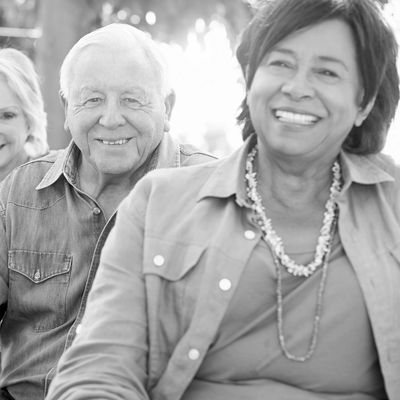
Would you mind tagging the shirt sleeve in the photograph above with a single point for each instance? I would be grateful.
(108, 359)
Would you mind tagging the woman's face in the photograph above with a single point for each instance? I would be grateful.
(13, 126)
(306, 92)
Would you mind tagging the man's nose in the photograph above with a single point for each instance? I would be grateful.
(298, 86)
(112, 115)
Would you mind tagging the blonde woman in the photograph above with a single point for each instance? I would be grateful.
(22, 116)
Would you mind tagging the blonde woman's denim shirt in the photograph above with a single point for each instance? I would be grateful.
(166, 277)
(51, 235)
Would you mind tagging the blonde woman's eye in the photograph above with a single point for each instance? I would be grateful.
(8, 115)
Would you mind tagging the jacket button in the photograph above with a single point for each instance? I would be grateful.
(158, 260)
(96, 211)
(250, 235)
(194, 354)
(225, 284)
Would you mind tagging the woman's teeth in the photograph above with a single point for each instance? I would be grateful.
(295, 118)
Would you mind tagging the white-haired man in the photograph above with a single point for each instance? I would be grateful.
(56, 212)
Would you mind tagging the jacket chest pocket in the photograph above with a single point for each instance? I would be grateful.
(177, 268)
(38, 284)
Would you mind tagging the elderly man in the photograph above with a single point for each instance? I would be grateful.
(56, 212)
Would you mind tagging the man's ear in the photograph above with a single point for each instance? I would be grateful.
(64, 104)
(364, 112)
(169, 103)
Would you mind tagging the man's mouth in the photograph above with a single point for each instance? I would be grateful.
(295, 118)
(114, 142)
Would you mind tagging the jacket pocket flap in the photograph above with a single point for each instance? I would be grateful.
(170, 260)
(38, 266)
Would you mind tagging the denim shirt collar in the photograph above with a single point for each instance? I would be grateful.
(228, 178)
(166, 155)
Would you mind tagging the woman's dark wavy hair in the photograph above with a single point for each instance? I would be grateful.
(376, 49)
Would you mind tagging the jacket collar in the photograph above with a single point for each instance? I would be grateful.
(228, 178)
(166, 155)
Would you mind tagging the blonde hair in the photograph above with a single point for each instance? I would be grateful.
(112, 35)
(21, 77)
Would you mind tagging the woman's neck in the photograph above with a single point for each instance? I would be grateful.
(17, 160)
(294, 185)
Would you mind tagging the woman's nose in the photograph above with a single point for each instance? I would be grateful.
(112, 116)
(298, 87)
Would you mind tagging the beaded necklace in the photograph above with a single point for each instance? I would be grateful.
(271, 236)
(275, 243)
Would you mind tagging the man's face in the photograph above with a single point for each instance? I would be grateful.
(115, 110)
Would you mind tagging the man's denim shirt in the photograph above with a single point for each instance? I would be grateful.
(51, 236)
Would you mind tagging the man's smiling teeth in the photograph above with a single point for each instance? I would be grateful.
(114, 142)
(295, 118)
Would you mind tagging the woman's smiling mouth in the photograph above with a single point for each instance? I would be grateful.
(295, 118)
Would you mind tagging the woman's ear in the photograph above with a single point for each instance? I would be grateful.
(364, 112)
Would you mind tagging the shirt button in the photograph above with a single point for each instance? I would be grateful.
(36, 277)
(250, 235)
(158, 260)
(194, 354)
(96, 211)
(225, 284)
(78, 329)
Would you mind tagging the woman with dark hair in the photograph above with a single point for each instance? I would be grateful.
(274, 273)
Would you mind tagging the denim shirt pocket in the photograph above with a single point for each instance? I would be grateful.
(38, 288)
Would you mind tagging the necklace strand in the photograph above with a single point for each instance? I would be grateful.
(275, 243)
(271, 237)
(318, 308)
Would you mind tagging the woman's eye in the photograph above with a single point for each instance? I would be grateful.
(8, 115)
(328, 73)
(280, 63)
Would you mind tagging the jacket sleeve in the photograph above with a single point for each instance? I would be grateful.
(108, 359)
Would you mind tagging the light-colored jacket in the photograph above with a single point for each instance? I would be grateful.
(172, 263)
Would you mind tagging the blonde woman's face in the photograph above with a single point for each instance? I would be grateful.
(13, 127)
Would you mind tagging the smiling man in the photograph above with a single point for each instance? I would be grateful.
(56, 212)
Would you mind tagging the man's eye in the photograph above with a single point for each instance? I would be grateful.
(132, 100)
(92, 101)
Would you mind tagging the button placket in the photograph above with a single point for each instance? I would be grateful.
(158, 260)
(194, 354)
(225, 284)
(249, 234)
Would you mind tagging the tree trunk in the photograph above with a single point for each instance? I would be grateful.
(63, 23)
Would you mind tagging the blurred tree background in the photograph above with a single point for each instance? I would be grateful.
(199, 38)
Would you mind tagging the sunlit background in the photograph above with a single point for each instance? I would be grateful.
(198, 38)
